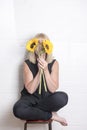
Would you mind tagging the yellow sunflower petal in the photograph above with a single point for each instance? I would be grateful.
(31, 45)
(48, 46)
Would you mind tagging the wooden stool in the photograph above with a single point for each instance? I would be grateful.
(49, 122)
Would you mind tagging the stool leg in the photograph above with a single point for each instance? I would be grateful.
(50, 125)
(25, 126)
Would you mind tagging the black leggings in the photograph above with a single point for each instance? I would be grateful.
(30, 108)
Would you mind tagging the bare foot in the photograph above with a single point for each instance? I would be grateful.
(59, 119)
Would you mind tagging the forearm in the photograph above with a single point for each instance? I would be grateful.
(33, 85)
(52, 85)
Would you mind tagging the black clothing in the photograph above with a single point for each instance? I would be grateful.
(34, 70)
(39, 106)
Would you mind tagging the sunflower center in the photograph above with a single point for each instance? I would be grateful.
(47, 46)
(32, 45)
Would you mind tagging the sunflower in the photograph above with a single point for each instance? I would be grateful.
(48, 46)
(31, 44)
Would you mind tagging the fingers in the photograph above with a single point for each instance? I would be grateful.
(42, 63)
(40, 66)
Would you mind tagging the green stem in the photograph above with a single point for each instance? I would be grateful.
(44, 83)
(40, 83)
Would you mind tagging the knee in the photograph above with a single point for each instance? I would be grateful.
(17, 111)
(65, 98)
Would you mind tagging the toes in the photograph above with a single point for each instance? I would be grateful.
(64, 123)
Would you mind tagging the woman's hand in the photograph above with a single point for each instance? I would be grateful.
(42, 64)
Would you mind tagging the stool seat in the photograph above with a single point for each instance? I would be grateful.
(49, 122)
(39, 121)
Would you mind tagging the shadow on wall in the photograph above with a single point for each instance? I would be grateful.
(20, 79)
(9, 121)
(20, 76)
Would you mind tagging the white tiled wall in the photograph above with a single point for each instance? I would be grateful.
(65, 22)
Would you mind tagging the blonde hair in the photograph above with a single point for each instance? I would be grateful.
(31, 56)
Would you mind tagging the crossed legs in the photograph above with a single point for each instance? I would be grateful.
(29, 109)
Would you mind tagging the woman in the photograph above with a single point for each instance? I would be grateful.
(39, 99)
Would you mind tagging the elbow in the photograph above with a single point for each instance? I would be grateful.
(55, 88)
(52, 91)
(28, 88)
(30, 91)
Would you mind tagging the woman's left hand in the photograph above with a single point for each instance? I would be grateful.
(42, 63)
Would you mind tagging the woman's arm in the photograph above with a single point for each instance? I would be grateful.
(52, 79)
(31, 83)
